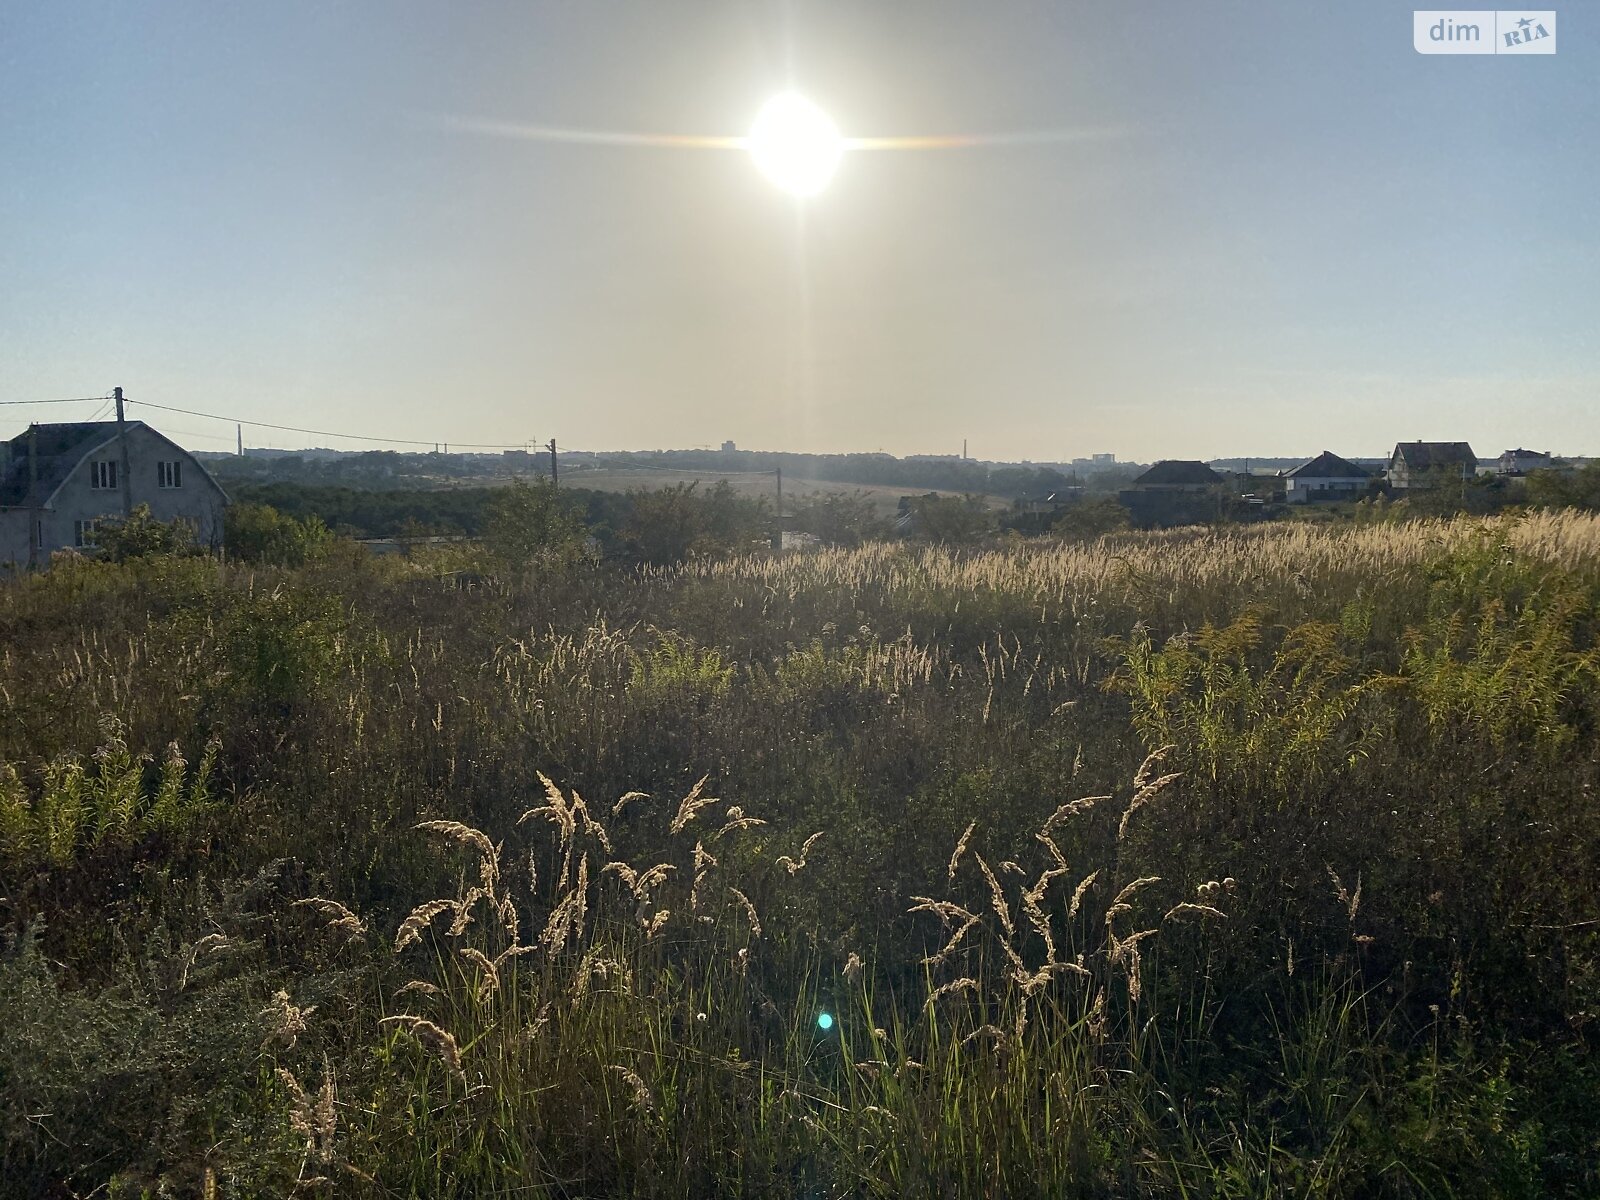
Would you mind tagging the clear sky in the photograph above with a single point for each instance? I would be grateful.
(1255, 228)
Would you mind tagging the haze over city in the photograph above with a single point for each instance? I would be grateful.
(1187, 232)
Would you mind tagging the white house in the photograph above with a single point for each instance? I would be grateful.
(58, 481)
(1325, 477)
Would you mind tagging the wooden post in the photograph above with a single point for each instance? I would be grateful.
(126, 482)
(33, 499)
(555, 479)
(777, 535)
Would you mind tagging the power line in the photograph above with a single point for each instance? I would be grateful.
(72, 400)
(356, 437)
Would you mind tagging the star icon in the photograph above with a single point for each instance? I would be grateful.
(1524, 23)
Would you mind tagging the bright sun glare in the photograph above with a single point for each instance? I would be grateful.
(795, 144)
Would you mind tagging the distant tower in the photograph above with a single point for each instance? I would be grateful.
(963, 449)
(239, 430)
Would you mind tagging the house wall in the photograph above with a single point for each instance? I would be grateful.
(13, 537)
(1400, 475)
(1303, 491)
(199, 501)
(1149, 508)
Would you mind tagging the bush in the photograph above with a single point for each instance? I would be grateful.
(836, 518)
(951, 520)
(140, 535)
(671, 524)
(259, 533)
(532, 524)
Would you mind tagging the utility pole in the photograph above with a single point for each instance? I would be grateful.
(777, 536)
(122, 439)
(555, 478)
(33, 495)
(239, 430)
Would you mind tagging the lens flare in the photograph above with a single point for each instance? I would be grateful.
(795, 144)
(824, 1021)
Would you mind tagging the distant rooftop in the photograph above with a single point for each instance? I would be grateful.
(1173, 472)
(1328, 465)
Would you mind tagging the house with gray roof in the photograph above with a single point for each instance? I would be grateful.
(1325, 477)
(57, 482)
(1520, 462)
(1178, 475)
(1427, 464)
(1175, 491)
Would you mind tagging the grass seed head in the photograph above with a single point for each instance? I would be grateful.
(435, 1040)
(411, 929)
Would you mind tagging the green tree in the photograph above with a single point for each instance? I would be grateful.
(837, 518)
(1565, 489)
(532, 524)
(260, 533)
(953, 520)
(670, 524)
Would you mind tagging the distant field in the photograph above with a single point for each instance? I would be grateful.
(746, 483)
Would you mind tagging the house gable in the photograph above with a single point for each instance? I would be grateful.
(1328, 465)
(59, 481)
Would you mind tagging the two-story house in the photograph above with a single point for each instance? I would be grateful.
(1426, 464)
(57, 482)
(1520, 462)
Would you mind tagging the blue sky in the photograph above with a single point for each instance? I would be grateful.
(1274, 229)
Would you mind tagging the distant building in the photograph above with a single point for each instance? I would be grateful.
(1520, 462)
(1175, 492)
(1178, 475)
(58, 482)
(1103, 460)
(729, 448)
(1325, 477)
(1424, 464)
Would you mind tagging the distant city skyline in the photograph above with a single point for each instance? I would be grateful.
(1238, 229)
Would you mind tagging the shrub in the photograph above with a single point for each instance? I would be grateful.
(532, 524)
(259, 533)
(140, 535)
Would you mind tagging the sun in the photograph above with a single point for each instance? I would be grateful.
(795, 144)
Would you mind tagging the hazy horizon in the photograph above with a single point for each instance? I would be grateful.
(1238, 230)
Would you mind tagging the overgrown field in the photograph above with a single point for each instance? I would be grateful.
(1242, 863)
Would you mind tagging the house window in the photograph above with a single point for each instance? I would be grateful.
(83, 532)
(38, 534)
(169, 474)
(103, 474)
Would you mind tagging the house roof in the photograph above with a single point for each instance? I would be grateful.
(1328, 465)
(1177, 471)
(1423, 456)
(59, 449)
